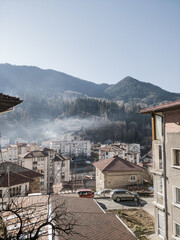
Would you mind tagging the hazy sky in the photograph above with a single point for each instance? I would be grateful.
(96, 40)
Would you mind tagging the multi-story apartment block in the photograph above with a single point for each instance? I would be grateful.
(10, 154)
(129, 152)
(71, 148)
(166, 168)
(46, 162)
(26, 147)
(36, 161)
(4, 157)
(61, 169)
(4, 141)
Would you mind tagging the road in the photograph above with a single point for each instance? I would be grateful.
(109, 204)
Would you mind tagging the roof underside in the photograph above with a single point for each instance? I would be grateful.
(162, 108)
(7, 102)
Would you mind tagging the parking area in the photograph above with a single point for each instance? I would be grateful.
(109, 204)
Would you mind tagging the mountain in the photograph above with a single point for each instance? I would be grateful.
(29, 80)
(133, 90)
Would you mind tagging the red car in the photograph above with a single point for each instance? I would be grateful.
(85, 193)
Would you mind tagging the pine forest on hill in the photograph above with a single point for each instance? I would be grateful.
(55, 103)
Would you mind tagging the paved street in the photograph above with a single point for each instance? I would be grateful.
(147, 205)
(109, 204)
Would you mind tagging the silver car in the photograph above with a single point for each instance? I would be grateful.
(122, 194)
(103, 193)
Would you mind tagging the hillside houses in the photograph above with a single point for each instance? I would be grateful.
(129, 152)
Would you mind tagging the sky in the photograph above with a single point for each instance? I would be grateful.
(101, 41)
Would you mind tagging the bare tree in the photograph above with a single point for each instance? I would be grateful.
(35, 217)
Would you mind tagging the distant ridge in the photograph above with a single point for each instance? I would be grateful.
(130, 89)
(35, 81)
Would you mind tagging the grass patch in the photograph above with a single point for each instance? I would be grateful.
(138, 220)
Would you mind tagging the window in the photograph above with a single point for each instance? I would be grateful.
(160, 223)
(158, 157)
(158, 127)
(160, 195)
(0, 193)
(177, 195)
(177, 230)
(132, 178)
(176, 157)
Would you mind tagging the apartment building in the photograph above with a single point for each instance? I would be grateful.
(129, 152)
(166, 168)
(10, 154)
(26, 147)
(4, 141)
(61, 169)
(48, 163)
(71, 148)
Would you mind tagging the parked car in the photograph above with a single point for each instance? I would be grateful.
(85, 193)
(123, 194)
(103, 193)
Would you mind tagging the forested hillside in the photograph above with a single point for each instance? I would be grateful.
(55, 103)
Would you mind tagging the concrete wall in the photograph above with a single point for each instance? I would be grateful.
(120, 179)
(173, 172)
(34, 187)
(172, 141)
(116, 179)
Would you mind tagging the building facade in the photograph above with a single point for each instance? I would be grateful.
(54, 168)
(129, 152)
(116, 173)
(71, 148)
(166, 168)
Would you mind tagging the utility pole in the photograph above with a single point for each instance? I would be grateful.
(8, 186)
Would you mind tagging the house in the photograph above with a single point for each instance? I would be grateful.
(18, 180)
(91, 222)
(129, 152)
(71, 214)
(166, 168)
(116, 172)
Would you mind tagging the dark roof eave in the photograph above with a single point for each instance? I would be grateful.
(130, 170)
(162, 108)
(8, 103)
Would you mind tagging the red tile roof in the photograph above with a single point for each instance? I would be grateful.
(116, 164)
(92, 223)
(15, 179)
(162, 108)
(18, 174)
(35, 154)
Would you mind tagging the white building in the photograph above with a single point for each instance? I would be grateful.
(9, 154)
(71, 148)
(129, 152)
(47, 163)
(4, 141)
